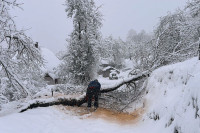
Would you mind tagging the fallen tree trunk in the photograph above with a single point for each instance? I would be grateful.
(60, 101)
(79, 102)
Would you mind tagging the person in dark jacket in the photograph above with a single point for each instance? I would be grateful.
(93, 90)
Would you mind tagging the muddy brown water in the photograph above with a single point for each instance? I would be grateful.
(105, 114)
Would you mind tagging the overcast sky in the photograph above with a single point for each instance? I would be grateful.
(47, 23)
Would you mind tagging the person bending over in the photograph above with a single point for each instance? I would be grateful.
(93, 90)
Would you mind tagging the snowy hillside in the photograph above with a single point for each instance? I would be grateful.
(173, 98)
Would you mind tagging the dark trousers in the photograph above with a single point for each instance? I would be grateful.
(96, 98)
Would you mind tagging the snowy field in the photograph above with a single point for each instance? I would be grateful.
(172, 105)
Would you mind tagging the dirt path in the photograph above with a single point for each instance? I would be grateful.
(105, 114)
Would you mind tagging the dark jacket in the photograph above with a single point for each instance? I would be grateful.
(94, 87)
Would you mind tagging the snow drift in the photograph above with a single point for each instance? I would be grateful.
(173, 97)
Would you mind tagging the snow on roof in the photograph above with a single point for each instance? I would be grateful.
(104, 61)
(50, 60)
(52, 75)
(108, 67)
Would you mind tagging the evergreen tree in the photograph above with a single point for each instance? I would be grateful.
(83, 40)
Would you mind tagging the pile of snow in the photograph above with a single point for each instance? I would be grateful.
(173, 97)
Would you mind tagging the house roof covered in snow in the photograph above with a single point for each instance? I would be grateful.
(50, 60)
(104, 61)
(108, 67)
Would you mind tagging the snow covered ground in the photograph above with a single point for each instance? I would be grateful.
(53, 120)
(174, 96)
(172, 106)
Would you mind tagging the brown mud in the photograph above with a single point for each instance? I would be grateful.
(112, 116)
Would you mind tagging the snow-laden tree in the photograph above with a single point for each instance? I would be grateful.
(174, 38)
(81, 61)
(194, 7)
(113, 50)
(193, 15)
(168, 37)
(139, 49)
(20, 61)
